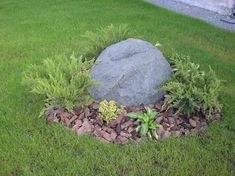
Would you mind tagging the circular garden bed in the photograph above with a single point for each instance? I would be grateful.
(130, 72)
(86, 121)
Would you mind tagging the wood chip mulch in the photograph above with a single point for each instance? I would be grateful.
(86, 121)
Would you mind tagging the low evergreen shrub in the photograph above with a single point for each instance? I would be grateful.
(192, 90)
(62, 80)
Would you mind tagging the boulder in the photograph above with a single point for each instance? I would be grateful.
(129, 72)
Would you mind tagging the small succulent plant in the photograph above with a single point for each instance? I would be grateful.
(108, 110)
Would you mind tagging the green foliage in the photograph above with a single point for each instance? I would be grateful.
(108, 110)
(192, 90)
(63, 81)
(97, 41)
(147, 122)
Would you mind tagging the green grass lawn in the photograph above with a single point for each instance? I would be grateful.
(31, 30)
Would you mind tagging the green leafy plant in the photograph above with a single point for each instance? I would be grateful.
(147, 126)
(108, 110)
(96, 41)
(62, 80)
(192, 90)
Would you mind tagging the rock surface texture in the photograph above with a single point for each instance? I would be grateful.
(129, 73)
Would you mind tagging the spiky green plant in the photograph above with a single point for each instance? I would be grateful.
(96, 41)
(147, 126)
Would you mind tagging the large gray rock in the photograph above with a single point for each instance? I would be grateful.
(129, 72)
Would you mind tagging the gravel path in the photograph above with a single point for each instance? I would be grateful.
(200, 13)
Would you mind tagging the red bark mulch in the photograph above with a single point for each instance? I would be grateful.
(85, 121)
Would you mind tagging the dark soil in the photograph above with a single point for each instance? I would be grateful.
(85, 121)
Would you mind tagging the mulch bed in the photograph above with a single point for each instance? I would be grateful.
(86, 121)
